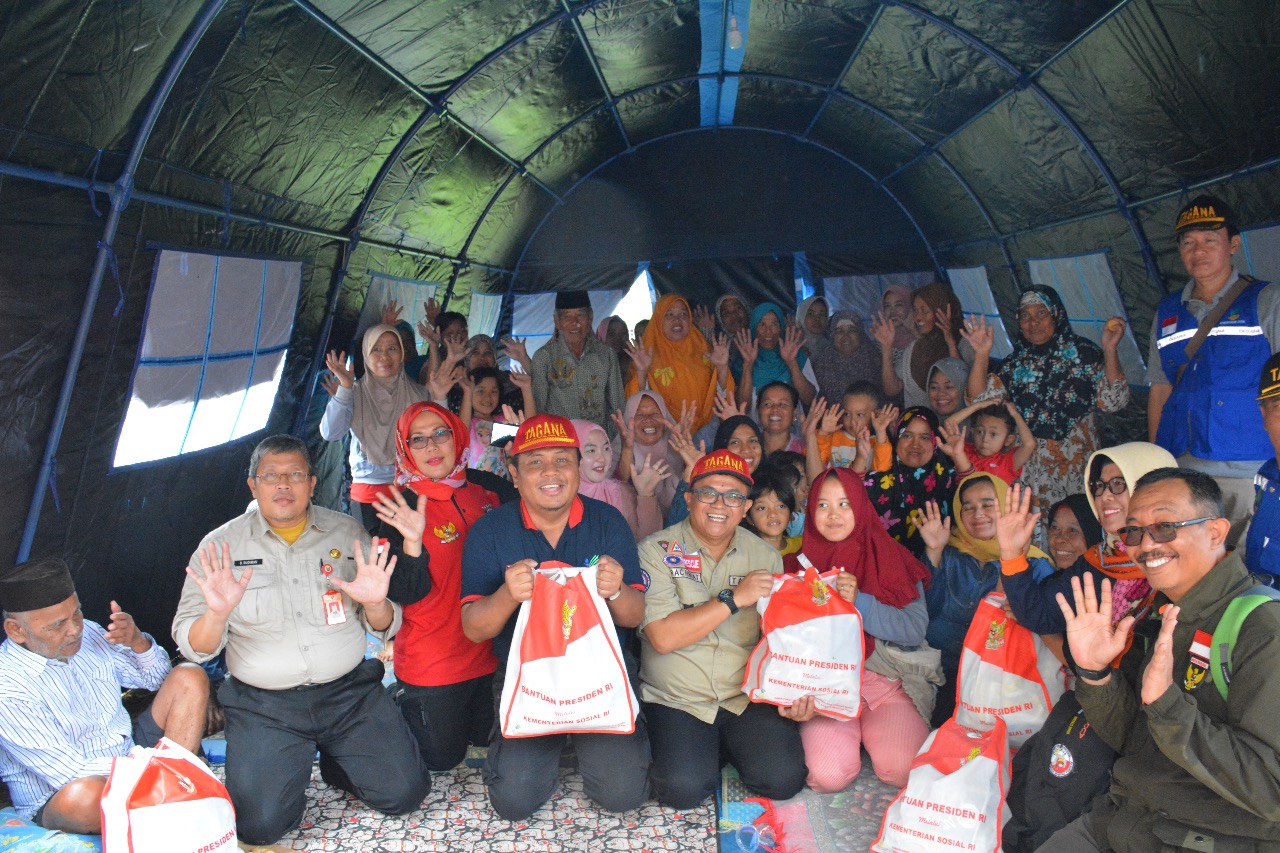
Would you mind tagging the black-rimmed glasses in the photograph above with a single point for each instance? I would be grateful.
(708, 495)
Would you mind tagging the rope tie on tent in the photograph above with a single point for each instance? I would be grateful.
(226, 211)
(93, 179)
(115, 273)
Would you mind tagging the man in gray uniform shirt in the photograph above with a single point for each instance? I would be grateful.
(286, 591)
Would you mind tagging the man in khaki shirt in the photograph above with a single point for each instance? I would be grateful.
(700, 625)
(285, 589)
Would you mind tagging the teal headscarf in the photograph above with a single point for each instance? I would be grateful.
(769, 366)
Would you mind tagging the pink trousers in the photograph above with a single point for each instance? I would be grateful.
(890, 727)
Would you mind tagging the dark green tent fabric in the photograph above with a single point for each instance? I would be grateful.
(504, 147)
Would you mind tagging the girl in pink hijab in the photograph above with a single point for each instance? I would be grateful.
(637, 500)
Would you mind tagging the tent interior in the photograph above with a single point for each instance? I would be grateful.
(200, 198)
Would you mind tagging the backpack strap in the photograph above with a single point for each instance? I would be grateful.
(1224, 636)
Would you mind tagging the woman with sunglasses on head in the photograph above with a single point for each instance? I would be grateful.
(1041, 802)
(1110, 475)
(445, 681)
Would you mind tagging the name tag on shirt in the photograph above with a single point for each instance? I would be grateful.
(257, 562)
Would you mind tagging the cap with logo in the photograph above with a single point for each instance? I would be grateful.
(1205, 213)
(1269, 381)
(543, 431)
(721, 462)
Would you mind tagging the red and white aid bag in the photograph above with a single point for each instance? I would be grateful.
(1006, 671)
(162, 800)
(811, 643)
(565, 671)
(954, 798)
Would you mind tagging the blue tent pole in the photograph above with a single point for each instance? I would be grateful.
(120, 198)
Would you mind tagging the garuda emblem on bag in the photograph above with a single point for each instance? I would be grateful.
(995, 636)
(566, 618)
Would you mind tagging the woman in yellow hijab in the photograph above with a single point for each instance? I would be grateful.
(964, 557)
(675, 360)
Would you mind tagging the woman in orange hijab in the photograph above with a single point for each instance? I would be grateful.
(675, 360)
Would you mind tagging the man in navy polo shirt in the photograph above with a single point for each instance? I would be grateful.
(552, 522)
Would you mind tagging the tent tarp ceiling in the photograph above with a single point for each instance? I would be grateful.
(495, 145)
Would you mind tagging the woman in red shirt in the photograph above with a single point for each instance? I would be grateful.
(445, 681)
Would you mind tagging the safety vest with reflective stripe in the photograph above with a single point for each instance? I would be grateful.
(1213, 410)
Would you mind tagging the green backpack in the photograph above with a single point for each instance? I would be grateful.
(1224, 636)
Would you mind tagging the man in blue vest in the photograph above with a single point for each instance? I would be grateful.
(1262, 548)
(1203, 408)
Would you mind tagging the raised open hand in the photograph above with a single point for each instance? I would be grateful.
(1015, 522)
(641, 358)
(626, 430)
(719, 350)
(935, 529)
(951, 439)
(221, 589)
(792, 341)
(813, 417)
(391, 313)
(882, 418)
(943, 318)
(520, 380)
(516, 350)
(830, 420)
(431, 309)
(429, 332)
(980, 334)
(443, 378)
(369, 586)
(647, 477)
(704, 320)
(394, 510)
(746, 346)
(863, 452)
(726, 406)
(511, 416)
(1094, 641)
(1158, 676)
(882, 329)
(340, 367)
(682, 443)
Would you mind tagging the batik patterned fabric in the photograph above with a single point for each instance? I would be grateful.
(901, 492)
(1058, 387)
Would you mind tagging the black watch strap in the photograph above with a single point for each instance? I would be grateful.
(1094, 674)
(725, 596)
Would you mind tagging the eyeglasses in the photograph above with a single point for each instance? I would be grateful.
(271, 478)
(708, 495)
(1161, 531)
(437, 438)
(1117, 485)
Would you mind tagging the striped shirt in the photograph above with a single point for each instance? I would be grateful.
(64, 721)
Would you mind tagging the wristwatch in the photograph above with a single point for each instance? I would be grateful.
(726, 597)
(1094, 674)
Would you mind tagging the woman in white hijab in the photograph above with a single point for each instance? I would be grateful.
(368, 407)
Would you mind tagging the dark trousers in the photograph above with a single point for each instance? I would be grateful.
(688, 753)
(273, 735)
(522, 773)
(446, 718)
